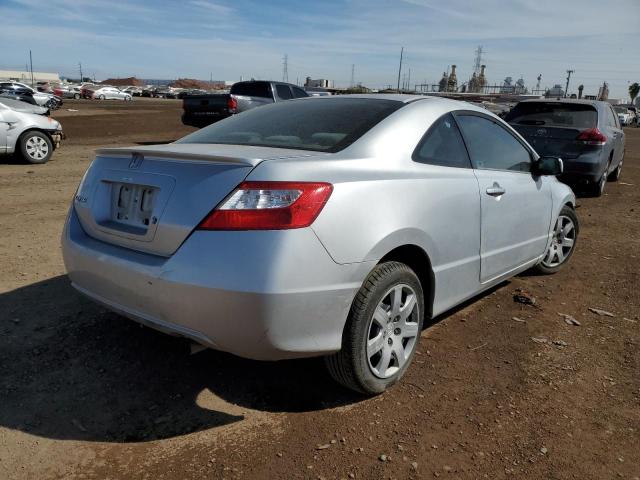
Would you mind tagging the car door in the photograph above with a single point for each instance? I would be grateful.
(614, 131)
(515, 205)
(448, 206)
(4, 128)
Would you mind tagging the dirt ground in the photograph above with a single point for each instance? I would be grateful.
(498, 389)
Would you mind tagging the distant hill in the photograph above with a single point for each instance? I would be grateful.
(193, 83)
(124, 82)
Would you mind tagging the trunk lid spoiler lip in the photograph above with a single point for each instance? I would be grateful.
(180, 154)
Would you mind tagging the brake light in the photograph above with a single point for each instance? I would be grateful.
(232, 105)
(269, 206)
(592, 136)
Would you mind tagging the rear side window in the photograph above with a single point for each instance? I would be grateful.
(612, 118)
(284, 92)
(299, 93)
(320, 124)
(491, 146)
(252, 89)
(554, 114)
(443, 145)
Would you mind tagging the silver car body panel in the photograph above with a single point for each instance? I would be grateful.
(287, 293)
(14, 123)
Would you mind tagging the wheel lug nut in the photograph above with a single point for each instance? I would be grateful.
(390, 341)
(397, 331)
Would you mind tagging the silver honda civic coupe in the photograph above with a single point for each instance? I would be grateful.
(328, 226)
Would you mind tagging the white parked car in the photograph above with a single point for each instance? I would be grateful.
(111, 93)
(26, 129)
(41, 98)
(625, 115)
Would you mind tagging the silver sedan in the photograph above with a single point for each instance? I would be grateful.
(318, 227)
(26, 129)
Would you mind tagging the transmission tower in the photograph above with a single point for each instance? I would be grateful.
(478, 60)
(285, 68)
(566, 89)
(353, 68)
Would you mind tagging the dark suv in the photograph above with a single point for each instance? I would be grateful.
(585, 134)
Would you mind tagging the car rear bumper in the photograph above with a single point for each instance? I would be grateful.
(285, 299)
(587, 168)
(200, 121)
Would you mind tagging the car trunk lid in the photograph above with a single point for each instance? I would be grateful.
(151, 198)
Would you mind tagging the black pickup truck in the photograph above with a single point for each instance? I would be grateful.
(202, 110)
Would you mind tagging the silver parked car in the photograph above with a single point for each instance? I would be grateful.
(329, 226)
(111, 93)
(26, 129)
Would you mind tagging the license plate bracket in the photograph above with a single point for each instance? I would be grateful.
(132, 205)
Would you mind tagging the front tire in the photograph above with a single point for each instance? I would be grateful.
(563, 243)
(77, 96)
(382, 332)
(36, 147)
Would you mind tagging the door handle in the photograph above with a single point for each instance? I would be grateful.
(496, 190)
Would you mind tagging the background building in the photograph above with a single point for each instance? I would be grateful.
(321, 83)
(25, 76)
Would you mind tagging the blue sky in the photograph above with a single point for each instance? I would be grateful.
(229, 39)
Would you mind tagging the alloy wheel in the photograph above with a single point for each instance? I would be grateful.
(393, 331)
(37, 148)
(563, 241)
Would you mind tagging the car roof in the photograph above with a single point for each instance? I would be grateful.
(565, 100)
(408, 99)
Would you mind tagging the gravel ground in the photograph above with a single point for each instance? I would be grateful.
(498, 389)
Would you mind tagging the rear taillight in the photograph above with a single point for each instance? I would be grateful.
(592, 136)
(269, 206)
(232, 105)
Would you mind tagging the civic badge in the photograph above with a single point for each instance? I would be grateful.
(136, 161)
(541, 131)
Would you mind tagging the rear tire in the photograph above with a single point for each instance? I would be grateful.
(382, 331)
(35, 147)
(77, 96)
(615, 175)
(101, 97)
(563, 243)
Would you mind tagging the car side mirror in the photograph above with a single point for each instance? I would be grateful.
(547, 166)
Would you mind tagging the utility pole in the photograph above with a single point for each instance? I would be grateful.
(409, 80)
(80, 68)
(285, 68)
(353, 67)
(400, 67)
(31, 65)
(566, 89)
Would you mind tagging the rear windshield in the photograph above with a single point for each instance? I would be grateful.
(621, 109)
(252, 89)
(553, 114)
(318, 124)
